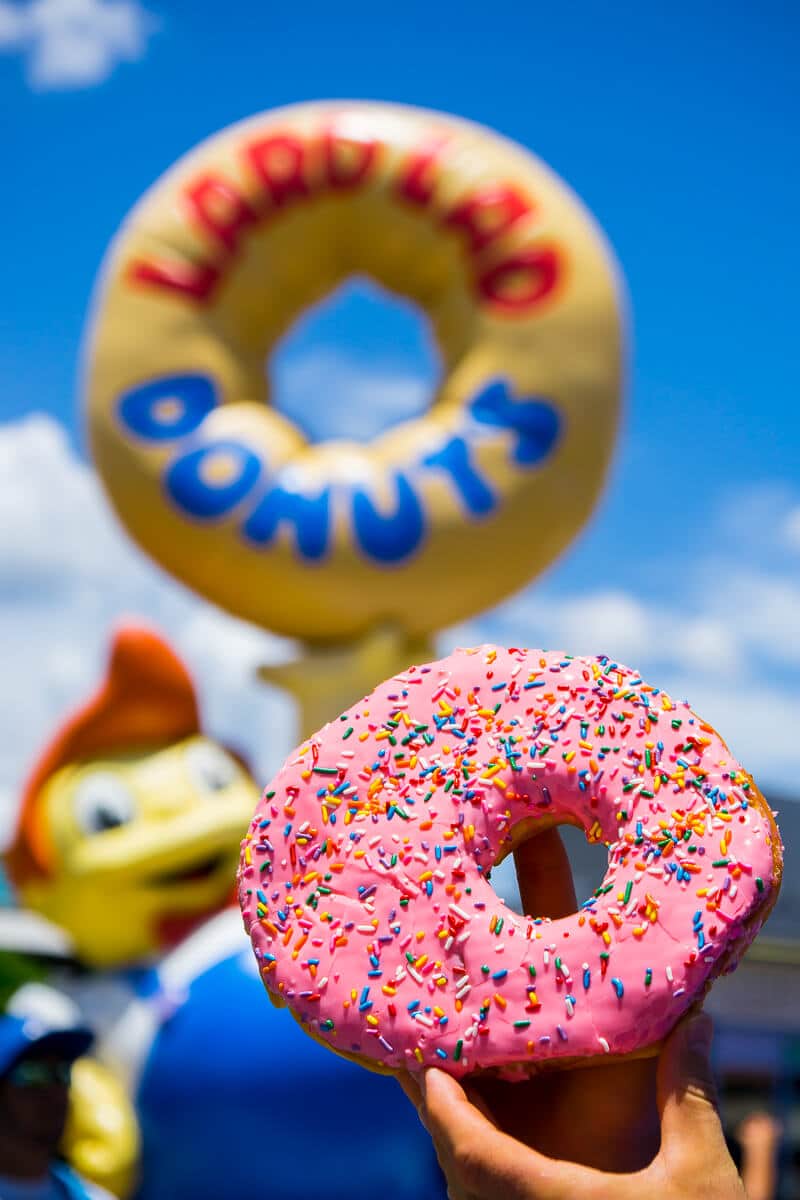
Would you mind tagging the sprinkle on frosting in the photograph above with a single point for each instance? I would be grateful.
(365, 875)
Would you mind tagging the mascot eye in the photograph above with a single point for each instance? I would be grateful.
(102, 801)
(211, 769)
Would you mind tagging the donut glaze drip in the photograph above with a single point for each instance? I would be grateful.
(364, 875)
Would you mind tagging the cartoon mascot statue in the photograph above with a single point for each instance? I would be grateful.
(127, 841)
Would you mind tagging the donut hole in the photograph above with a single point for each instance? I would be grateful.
(588, 862)
(354, 364)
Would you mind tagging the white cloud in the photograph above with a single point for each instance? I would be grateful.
(726, 637)
(728, 642)
(616, 623)
(758, 720)
(355, 363)
(74, 43)
(67, 574)
(763, 606)
(12, 25)
(790, 530)
(346, 398)
(763, 515)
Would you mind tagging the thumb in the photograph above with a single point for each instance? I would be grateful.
(482, 1162)
(687, 1094)
(545, 876)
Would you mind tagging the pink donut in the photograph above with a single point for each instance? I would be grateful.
(364, 875)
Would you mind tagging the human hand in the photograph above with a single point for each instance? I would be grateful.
(759, 1129)
(552, 1111)
(535, 1140)
(481, 1162)
(569, 1102)
(759, 1136)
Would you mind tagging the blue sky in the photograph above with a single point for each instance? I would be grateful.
(677, 128)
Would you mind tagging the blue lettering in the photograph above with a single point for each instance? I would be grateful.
(474, 491)
(389, 539)
(535, 421)
(167, 408)
(211, 480)
(308, 514)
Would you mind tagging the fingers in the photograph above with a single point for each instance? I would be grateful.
(692, 1141)
(759, 1136)
(410, 1087)
(687, 1096)
(478, 1101)
(484, 1164)
(758, 1128)
(545, 876)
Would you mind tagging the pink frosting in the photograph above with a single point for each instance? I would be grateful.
(363, 878)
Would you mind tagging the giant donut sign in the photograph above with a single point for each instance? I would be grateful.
(438, 517)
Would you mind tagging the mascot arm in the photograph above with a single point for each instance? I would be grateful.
(102, 1140)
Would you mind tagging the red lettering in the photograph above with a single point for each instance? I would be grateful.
(418, 178)
(520, 281)
(348, 160)
(193, 280)
(278, 161)
(517, 283)
(488, 213)
(220, 210)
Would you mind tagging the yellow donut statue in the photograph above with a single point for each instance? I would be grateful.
(439, 516)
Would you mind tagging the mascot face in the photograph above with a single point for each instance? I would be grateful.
(145, 846)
